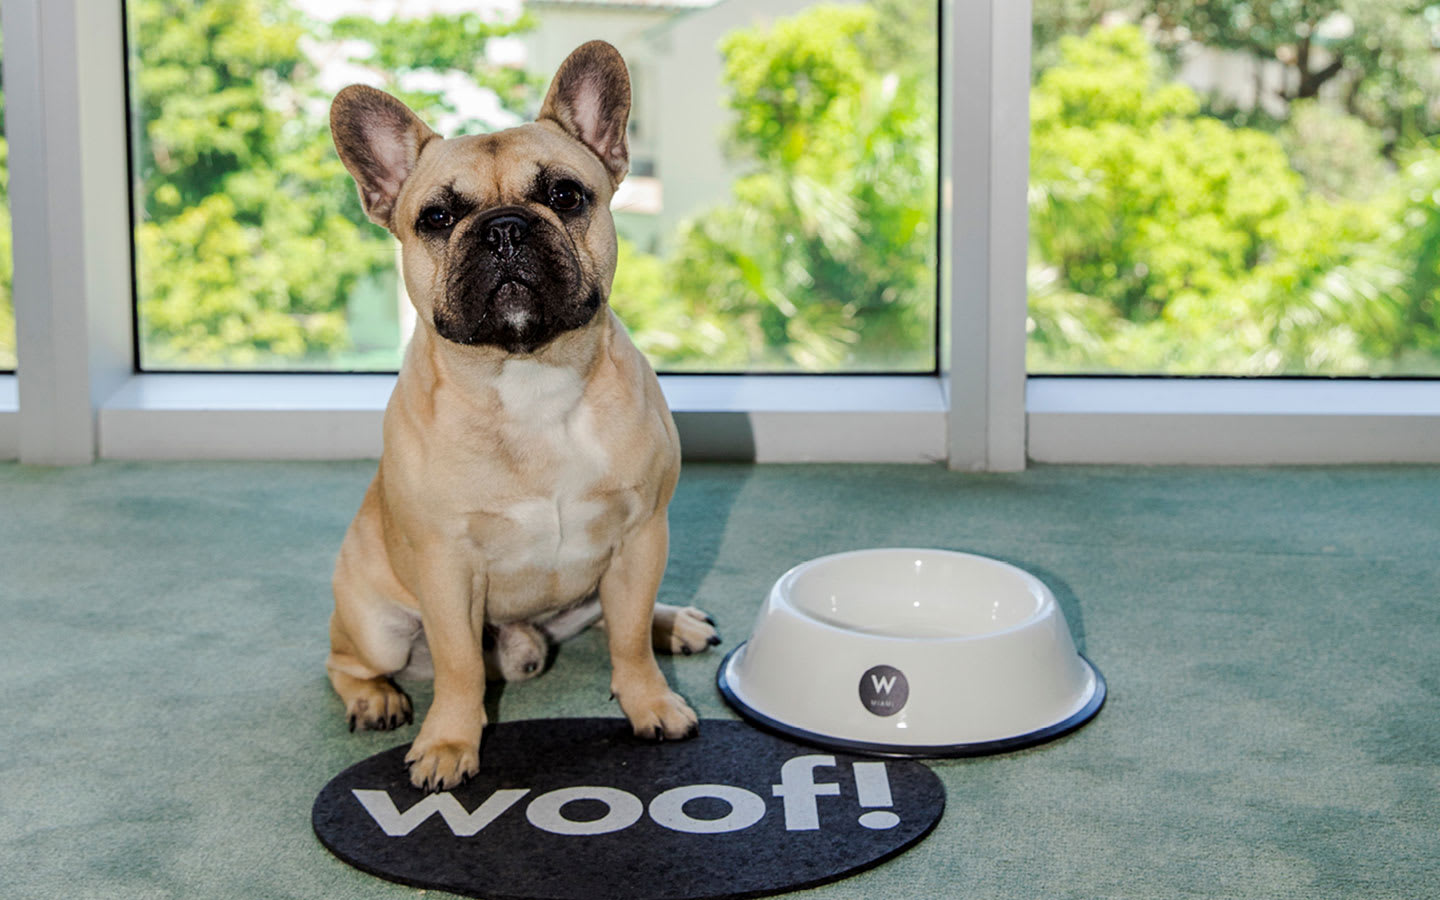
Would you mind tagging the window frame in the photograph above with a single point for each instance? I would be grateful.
(9, 417)
(76, 395)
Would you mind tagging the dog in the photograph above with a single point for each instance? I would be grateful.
(529, 456)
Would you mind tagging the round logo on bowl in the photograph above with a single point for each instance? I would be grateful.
(884, 690)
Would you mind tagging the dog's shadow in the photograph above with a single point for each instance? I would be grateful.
(494, 691)
(699, 519)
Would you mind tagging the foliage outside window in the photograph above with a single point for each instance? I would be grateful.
(252, 251)
(1233, 188)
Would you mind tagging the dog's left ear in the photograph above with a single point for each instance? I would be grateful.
(590, 99)
(379, 140)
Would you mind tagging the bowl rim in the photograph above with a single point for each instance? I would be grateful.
(1085, 713)
(781, 597)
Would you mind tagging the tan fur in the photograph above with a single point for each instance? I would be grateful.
(512, 485)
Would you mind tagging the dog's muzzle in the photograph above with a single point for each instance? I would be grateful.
(513, 282)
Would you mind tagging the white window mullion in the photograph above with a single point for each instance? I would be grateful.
(984, 172)
(9, 419)
(65, 122)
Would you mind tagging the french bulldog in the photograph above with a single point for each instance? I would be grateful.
(529, 456)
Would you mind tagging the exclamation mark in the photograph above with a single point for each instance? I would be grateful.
(872, 786)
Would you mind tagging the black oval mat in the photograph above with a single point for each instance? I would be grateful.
(578, 809)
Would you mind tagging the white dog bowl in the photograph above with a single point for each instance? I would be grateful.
(912, 653)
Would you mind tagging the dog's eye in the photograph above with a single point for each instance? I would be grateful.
(435, 218)
(566, 196)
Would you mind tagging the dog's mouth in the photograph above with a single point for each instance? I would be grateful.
(514, 303)
(511, 290)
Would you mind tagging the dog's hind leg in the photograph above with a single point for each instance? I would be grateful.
(682, 629)
(373, 702)
(371, 631)
(566, 624)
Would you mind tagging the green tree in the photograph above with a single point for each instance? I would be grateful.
(443, 43)
(1389, 292)
(1050, 20)
(826, 257)
(1165, 240)
(1384, 52)
(250, 237)
(1339, 155)
(1416, 234)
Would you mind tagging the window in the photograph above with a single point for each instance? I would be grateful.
(780, 215)
(1235, 189)
(85, 390)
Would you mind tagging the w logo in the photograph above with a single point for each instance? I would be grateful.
(884, 690)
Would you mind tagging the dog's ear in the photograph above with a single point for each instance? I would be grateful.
(379, 139)
(590, 99)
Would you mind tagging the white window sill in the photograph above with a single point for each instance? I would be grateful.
(9, 417)
(839, 419)
(766, 419)
(1232, 421)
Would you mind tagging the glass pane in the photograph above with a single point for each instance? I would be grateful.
(780, 214)
(7, 262)
(1235, 189)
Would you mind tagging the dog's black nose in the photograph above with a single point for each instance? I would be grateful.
(504, 232)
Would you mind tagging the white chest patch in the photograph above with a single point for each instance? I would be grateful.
(556, 534)
(531, 391)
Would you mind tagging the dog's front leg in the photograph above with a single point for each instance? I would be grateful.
(452, 609)
(627, 601)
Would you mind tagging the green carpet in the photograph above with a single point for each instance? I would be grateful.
(1271, 638)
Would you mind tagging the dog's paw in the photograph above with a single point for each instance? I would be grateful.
(662, 716)
(377, 705)
(684, 630)
(442, 765)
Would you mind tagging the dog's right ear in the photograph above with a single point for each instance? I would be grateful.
(379, 139)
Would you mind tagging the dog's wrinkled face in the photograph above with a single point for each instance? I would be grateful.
(508, 239)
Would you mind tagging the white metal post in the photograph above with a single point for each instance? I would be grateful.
(985, 171)
(65, 121)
